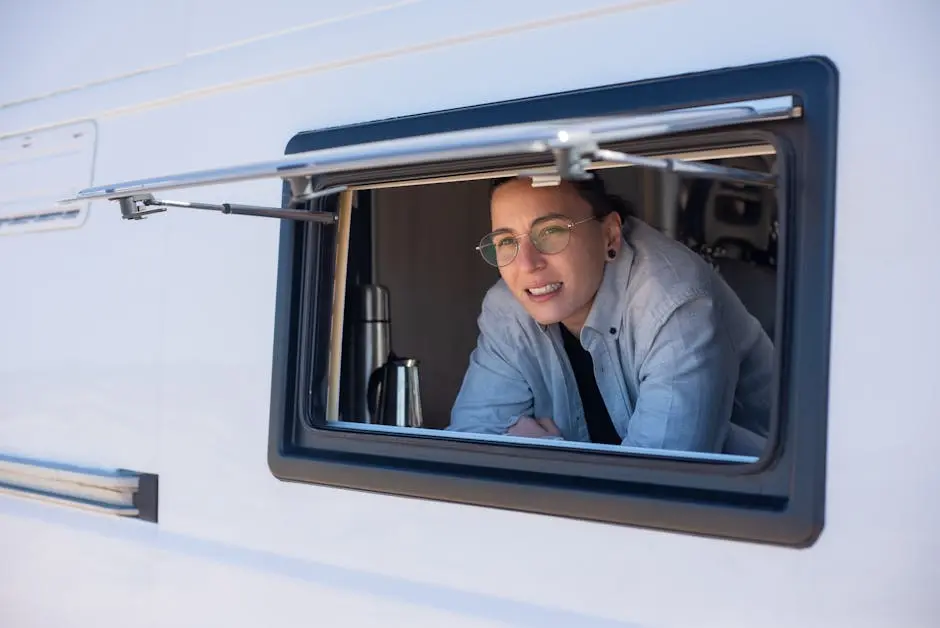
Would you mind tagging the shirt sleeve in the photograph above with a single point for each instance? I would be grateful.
(687, 381)
(494, 393)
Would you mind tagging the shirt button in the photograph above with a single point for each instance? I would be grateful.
(613, 330)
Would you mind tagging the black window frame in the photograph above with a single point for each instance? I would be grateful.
(778, 500)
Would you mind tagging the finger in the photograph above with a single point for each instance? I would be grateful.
(526, 426)
(549, 426)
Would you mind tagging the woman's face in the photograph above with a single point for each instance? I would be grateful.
(557, 287)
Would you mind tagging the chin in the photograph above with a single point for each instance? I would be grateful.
(546, 316)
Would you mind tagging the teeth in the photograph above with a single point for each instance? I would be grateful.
(552, 287)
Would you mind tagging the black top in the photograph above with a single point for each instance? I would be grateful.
(600, 427)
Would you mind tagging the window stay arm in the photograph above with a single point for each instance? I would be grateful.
(691, 168)
(141, 205)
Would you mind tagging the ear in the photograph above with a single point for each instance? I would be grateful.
(612, 227)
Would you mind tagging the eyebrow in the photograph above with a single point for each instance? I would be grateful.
(502, 230)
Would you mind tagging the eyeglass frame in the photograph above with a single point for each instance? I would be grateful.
(569, 223)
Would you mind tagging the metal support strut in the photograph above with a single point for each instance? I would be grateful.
(142, 205)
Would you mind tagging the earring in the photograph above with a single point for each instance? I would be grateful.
(611, 254)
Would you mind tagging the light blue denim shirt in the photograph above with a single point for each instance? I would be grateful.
(676, 355)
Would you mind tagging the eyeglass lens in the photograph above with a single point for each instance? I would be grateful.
(549, 237)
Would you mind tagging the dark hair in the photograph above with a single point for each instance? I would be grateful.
(594, 192)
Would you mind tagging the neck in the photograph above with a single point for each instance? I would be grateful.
(575, 322)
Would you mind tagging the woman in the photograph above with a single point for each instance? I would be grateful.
(603, 330)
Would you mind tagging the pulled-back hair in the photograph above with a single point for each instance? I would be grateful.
(594, 192)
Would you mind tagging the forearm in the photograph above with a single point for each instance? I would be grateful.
(493, 394)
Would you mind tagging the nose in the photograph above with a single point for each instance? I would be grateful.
(529, 258)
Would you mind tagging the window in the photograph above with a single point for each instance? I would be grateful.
(377, 250)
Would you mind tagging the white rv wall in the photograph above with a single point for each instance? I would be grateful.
(148, 345)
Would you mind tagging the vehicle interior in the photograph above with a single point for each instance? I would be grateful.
(417, 242)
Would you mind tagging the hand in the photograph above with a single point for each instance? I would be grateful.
(534, 428)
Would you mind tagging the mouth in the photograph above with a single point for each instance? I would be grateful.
(545, 292)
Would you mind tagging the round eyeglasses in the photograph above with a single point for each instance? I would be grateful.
(549, 236)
